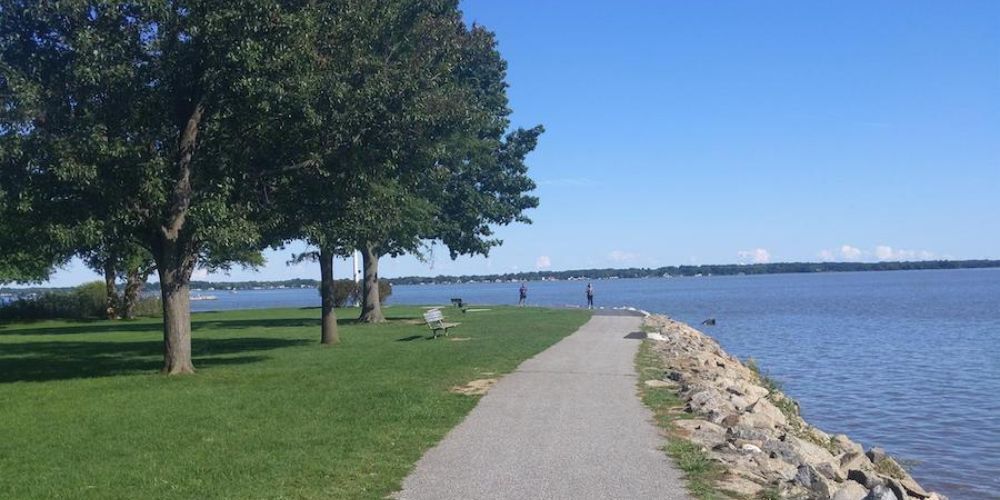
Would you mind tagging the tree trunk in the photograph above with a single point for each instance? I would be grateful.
(175, 261)
(176, 253)
(134, 281)
(371, 304)
(111, 291)
(329, 333)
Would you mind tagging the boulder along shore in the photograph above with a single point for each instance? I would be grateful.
(742, 420)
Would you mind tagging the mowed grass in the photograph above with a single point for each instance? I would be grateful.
(270, 413)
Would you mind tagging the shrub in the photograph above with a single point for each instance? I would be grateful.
(148, 307)
(344, 292)
(348, 292)
(91, 300)
(84, 302)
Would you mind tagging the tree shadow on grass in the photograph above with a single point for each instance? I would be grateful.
(242, 324)
(104, 326)
(411, 338)
(41, 361)
(80, 326)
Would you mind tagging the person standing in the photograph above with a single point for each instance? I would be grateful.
(523, 295)
(590, 296)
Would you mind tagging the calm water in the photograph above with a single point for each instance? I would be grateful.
(907, 360)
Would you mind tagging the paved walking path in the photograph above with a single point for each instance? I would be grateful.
(567, 424)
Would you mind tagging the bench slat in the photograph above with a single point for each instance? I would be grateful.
(435, 321)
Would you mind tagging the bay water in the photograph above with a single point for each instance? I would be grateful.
(905, 360)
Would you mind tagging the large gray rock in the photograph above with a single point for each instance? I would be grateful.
(773, 468)
(830, 471)
(709, 400)
(855, 460)
(763, 415)
(819, 435)
(850, 491)
(723, 416)
(809, 452)
(844, 443)
(702, 432)
(896, 488)
(876, 455)
(780, 450)
(739, 402)
(811, 479)
(748, 434)
(743, 388)
(913, 488)
(881, 492)
(866, 478)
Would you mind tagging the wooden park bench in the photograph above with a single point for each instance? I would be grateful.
(435, 321)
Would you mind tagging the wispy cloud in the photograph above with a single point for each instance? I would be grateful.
(755, 256)
(543, 262)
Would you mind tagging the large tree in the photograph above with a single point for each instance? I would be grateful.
(148, 110)
(469, 175)
(383, 89)
(457, 202)
(410, 111)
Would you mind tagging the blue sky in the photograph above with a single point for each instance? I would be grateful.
(719, 132)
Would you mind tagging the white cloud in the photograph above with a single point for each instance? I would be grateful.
(199, 274)
(886, 252)
(881, 252)
(622, 256)
(543, 262)
(847, 252)
(756, 256)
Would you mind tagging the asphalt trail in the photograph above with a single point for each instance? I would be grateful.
(567, 424)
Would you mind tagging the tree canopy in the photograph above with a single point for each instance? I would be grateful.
(198, 133)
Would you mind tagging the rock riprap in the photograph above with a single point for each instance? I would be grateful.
(743, 421)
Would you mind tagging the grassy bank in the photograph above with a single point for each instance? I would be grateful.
(700, 471)
(270, 414)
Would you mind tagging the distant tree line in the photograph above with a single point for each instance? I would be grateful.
(705, 270)
(165, 136)
(154, 287)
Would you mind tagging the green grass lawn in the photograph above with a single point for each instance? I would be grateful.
(270, 414)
